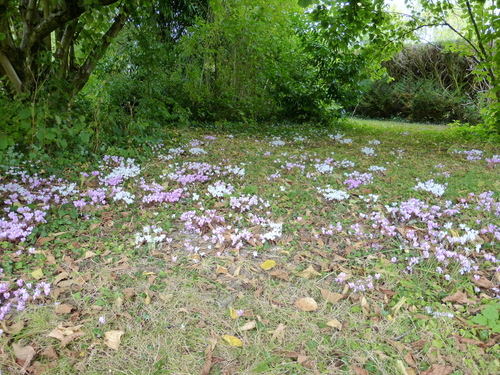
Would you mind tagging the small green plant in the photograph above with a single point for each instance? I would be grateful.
(489, 316)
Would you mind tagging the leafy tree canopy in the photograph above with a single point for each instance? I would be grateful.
(47, 42)
(368, 32)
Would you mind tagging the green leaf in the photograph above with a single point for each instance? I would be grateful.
(2, 36)
(305, 3)
(4, 143)
(24, 114)
(85, 136)
(480, 319)
(262, 367)
(490, 312)
(51, 133)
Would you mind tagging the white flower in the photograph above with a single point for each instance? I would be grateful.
(277, 142)
(368, 151)
(323, 168)
(431, 187)
(176, 151)
(375, 168)
(345, 164)
(65, 190)
(197, 151)
(124, 196)
(275, 232)
(149, 235)
(333, 195)
(346, 141)
(237, 171)
(219, 189)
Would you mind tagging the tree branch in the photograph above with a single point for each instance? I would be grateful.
(11, 72)
(53, 22)
(71, 9)
(8, 41)
(62, 52)
(98, 51)
(485, 56)
(27, 22)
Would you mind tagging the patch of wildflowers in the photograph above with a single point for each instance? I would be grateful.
(219, 189)
(432, 187)
(333, 195)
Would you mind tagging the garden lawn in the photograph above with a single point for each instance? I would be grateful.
(358, 249)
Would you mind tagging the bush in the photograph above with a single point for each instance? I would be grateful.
(416, 100)
(428, 85)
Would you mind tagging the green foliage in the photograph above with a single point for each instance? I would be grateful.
(239, 61)
(367, 31)
(480, 34)
(244, 62)
(421, 100)
(489, 316)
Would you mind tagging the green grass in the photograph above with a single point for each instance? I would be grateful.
(174, 305)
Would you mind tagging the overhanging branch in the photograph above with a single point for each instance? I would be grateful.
(71, 9)
(90, 63)
(11, 72)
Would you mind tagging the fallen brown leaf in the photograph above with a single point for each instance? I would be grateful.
(334, 323)
(439, 370)
(112, 339)
(129, 292)
(306, 304)
(309, 273)
(399, 347)
(483, 282)
(410, 359)
(61, 276)
(279, 333)
(330, 296)
(207, 365)
(419, 344)
(280, 274)
(466, 340)
(89, 254)
(38, 368)
(49, 352)
(493, 341)
(305, 361)
(360, 371)
(66, 334)
(43, 240)
(459, 297)
(24, 353)
(248, 326)
(64, 308)
(11, 328)
(221, 270)
(364, 305)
